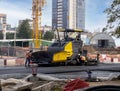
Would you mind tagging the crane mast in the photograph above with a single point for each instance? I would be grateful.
(37, 21)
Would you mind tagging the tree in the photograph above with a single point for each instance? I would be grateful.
(113, 15)
(10, 35)
(1, 35)
(24, 30)
(49, 35)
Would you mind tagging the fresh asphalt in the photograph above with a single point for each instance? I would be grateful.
(58, 69)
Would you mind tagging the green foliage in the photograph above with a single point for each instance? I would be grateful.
(1, 35)
(10, 35)
(113, 15)
(117, 32)
(24, 31)
(49, 35)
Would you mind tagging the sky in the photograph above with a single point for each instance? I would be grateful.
(95, 18)
(22, 9)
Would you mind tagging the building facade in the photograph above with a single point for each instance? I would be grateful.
(3, 25)
(2, 21)
(102, 40)
(68, 14)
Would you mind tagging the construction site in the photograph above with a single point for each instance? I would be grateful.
(66, 64)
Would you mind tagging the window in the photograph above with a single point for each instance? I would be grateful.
(103, 43)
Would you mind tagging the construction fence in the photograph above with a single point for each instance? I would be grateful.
(107, 58)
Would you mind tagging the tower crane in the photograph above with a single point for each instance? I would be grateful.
(37, 21)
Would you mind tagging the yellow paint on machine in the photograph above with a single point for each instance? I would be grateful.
(60, 57)
(63, 55)
(68, 48)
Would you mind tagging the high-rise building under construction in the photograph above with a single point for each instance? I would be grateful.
(68, 14)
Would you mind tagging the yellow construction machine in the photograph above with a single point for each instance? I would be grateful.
(64, 51)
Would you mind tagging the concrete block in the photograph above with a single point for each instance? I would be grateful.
(115, 60)
(15, 85)
(20, 61)
(44, 87)
(1, 62)
(11, 62)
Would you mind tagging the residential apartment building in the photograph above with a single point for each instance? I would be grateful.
(2, 21)
(4, 27)
(68, 14)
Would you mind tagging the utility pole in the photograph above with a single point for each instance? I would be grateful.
(15, 41)
(4, 32)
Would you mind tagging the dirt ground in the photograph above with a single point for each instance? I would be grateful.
(116, 82)
(61, 84)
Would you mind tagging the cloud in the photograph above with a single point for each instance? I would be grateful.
(14, 12)
(17, 10)
(96, 24)
(95, 28)
(95, 17)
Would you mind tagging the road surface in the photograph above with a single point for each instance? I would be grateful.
(59, 69)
